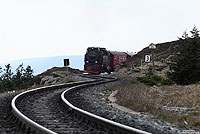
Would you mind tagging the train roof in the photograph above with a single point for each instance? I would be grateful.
(118, 53)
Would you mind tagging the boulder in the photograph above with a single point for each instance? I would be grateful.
(61, 74)
(47, 80)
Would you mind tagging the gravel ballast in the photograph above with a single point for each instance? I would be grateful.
(7, 126)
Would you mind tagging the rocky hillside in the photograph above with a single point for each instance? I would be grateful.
(163, 55)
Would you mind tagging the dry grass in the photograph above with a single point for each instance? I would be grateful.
(181, 96)
(132, 98)
(143, 98)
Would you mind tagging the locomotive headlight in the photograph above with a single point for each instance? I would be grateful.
(95, 61)
(87, 61)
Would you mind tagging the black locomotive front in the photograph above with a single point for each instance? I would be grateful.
(99, 60)
(93, 60)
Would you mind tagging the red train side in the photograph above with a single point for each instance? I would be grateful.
(117, 58)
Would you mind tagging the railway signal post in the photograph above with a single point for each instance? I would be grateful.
(66, 64)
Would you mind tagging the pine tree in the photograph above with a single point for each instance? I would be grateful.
(28, 77)
(8, 72)
(186, 70)
(28, 72)
(185, 35)
(7, 83)
(195, 32)
(19, 71)
(18, 77)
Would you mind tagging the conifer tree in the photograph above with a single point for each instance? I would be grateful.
(186, 70)
(7, 83)
(185, 35)
(28, 72)
(18, 77)
(8, 72)
(195, 32)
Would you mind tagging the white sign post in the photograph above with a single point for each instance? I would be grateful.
(147, 58)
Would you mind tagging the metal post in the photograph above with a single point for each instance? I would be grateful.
(67, 70)
(66, 64)
(141, 67)
(153, 62)
(153, 47)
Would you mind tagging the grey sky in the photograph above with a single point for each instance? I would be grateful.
(42, 28)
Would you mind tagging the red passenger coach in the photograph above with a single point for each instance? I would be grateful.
(117, 58)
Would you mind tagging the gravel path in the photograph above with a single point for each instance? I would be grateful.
(96, 99)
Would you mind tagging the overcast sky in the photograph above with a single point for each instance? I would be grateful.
(43, 28)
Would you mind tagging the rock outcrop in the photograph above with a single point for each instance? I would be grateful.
(58, 75)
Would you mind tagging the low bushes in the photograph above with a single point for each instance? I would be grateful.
(154, 80)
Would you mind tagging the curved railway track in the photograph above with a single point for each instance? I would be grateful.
(46, 110)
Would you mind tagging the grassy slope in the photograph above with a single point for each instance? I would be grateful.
(152, 99)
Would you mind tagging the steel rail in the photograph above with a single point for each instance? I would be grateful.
(27, 122)
(98, 119)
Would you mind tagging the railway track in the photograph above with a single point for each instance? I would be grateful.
(47, 110)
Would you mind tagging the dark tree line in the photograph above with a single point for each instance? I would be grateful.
(186, 69)
(23, 78)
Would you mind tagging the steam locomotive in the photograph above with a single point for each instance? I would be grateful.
(99, 60)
